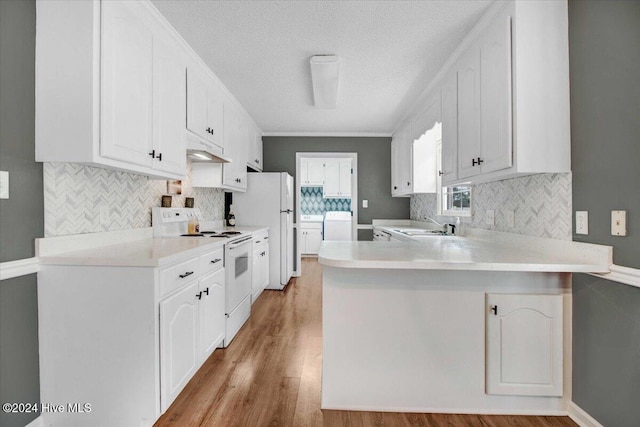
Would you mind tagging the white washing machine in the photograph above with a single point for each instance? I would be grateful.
(337, 226)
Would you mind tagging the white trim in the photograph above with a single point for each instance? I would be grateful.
(38, 422)
(332, 134)
(580, 417)
(21, 267)
(470, 411)
(365, 226)
(628, 276)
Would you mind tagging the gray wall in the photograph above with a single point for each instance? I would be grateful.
(21, 216)
(605, 128)
(374, 171)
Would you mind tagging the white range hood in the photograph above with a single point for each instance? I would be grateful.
(199, 151)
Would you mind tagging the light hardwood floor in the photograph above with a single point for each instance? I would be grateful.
(270, 374)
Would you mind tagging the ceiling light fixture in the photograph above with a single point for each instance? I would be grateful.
(325, 73)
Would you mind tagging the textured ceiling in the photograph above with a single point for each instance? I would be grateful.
(389, 52)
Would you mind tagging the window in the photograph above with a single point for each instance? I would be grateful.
(455, 200)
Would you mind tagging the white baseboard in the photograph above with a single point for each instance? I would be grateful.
(38, 422)
(580, 417)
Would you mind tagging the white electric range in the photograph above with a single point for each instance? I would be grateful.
(173, 222)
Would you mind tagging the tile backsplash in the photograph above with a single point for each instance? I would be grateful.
(75, 195)
(541, 203)
(312, 203)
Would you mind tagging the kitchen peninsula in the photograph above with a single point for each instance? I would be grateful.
(475, 324)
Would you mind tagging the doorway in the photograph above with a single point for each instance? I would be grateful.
(325, 182)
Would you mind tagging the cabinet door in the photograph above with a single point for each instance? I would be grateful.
(242, 153)
(314, 240)
(197, 101)
(264, 267)
(345, 179)
(256, 263)
(169, 88)
(215, 115)
(178, 342)
(126, 84)
(304, 172)
(331, 186)
(315, 174)
(303, 241)
(406, 168)
(495, 96)
(211, 312)
(396, 187)
(231, 135)
(469, 113)
(258, 149)
(524, 344)
(449, 160)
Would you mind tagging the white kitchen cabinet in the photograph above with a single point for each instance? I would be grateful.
(146, 330)
(337, 178)
(179, 321)
(524, 344)
(311, 238)
(211, 312)
(401, 161)
(205, 108)
(260, 273)
(449, 159)
(512, 116)
(312, 172)
(106, 93)
(254, 158)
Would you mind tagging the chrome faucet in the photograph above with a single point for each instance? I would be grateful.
(443, 226)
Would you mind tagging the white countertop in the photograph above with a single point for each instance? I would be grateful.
(481, 250)
(141, 250)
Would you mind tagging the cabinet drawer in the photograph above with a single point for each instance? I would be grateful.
(260, 236)
(212, 261)
(311, 225)
(172, 278)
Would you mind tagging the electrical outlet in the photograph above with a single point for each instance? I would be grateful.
(582, 222)
(4, 185)
(490, 217)
(511, 219)
(618, 223)
(365, 204)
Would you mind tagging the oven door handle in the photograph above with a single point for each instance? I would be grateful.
(238, 243)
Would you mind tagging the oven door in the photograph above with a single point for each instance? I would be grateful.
(238, 257)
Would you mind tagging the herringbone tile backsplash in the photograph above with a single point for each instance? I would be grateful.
(74, 196)
(541, 203)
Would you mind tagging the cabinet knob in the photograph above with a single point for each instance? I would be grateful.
(199, 295)
(257, 161)
(213, 261)
(206, 291)
(153, 154)
(395, 187)
(440, 173)
(476, 162)
(159, 157)
(494, 308)
(408, 183)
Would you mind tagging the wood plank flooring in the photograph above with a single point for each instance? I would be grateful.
(270, 374)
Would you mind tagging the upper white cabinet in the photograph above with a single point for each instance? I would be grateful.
(254, 143)
(337, 178)
(505, 98)
(110, 88)
(524, 344)
(312, 172)
(205, 108)
(234, 175)
(413, 151)
(449, 162)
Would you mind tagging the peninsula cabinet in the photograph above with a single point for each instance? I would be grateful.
(524, 344)
(110, 87)
(512, 98)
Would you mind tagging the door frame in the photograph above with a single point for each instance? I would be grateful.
(354, 195)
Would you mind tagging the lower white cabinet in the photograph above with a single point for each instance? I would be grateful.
(260, 273)
(311, 238)
(126, 339)
(524, 344)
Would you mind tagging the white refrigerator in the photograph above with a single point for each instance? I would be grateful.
(268, 201)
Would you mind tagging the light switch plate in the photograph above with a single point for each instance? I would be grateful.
(365, 203)
(618, 223)
(490, 217)
(4, 185)
(582, 222)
